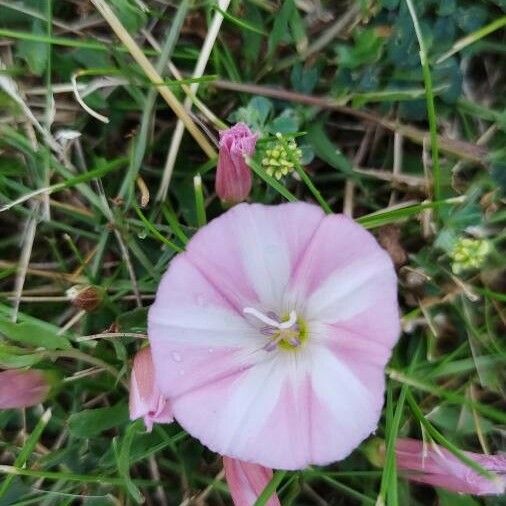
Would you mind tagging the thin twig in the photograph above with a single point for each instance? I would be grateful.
(24, 259)
(153, 75)
(200, 66)
(457, 148)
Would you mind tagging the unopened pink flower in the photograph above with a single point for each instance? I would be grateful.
(247, 481)
(233, 176)
(21, 389)
(270, 334)
(436, 466)
(145, 400)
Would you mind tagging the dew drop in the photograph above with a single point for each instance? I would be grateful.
(142, 234)
(210, 350)
(176, 356)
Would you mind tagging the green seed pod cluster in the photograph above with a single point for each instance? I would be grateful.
(469, 254)
(281, 156)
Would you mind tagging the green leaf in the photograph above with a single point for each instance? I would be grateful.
(27, 449)
(498, 173)
(129, 14)
(287, 122)
(133, 321)
(255, 114)
(325, 149)
(91, 422)
(298, 31)
(33, 334)
(366, 49)
(451, 499)
(304, 79)
(34, 53)
(471, 18)
(280, 29)
(124, 461)
(458, 420)
(13, 357)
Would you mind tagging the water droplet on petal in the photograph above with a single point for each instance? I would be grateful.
(176, 356)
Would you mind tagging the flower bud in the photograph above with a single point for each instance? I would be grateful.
(247, 481)
(22, 388)
(86, 297)
(434, 465)
(146, 401)
(233, 176)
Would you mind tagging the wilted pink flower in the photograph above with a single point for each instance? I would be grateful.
(21, 389)
(145, 400)
(247, 481)
(436, 466)
(270, 334)
(233, 176)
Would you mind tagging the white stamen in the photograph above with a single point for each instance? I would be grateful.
(263, 318)
(292, 320)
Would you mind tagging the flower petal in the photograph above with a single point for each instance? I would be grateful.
(22, 388)
(229, 413)
(250, 250)
(145, 400)
(436, 466)
(343, 272)
(247, 481)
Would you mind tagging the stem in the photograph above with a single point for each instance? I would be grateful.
(429, 95)
(199, 201)
(270, 488)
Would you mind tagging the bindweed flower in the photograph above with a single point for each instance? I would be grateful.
(233, 176)
(438, 467)
(469, 254)
(270, 334)
(281, 156)
(145, 400)
(22, 389)
(247, 481)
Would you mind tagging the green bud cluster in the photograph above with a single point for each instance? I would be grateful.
(281, 156)
(469, 254)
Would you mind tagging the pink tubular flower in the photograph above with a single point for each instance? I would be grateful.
(270, 334)
(146, 401)
(438, 467)
(247, 481)
(233, 176)
(21, 389)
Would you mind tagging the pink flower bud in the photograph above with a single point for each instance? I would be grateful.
(233, 176)
(21, 389)
(145, 399)
(247, 481)
(436, 466)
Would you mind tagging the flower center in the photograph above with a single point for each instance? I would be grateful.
(287, 333)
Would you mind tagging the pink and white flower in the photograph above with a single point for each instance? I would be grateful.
(145, 399)
(22, 389)
(247, 481)
(233, 176)
(271, 332)
(436, 466)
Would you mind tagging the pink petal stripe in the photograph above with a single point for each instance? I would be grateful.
(247, 481)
